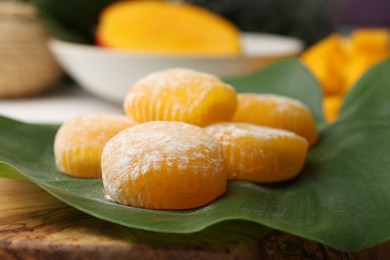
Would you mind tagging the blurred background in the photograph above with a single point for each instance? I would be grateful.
(309, 20)
(28, 68)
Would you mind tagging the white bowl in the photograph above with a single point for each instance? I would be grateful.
(110, 73)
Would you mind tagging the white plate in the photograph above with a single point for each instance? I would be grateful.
(58, 105)
(111, 73)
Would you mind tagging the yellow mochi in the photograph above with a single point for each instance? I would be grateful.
(277, 112)
(259, 154)
(180, 95)
(79, 142)
(163, 165)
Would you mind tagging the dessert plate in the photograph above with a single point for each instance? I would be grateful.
(110, 73)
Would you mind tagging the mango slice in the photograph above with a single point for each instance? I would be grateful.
(180, 95)
(338, 62)
(259, 154)
(79, 143)
(332, 105)
(365, 48)
(326, 60)
(166, 27)
(163, 165)
(371, 40)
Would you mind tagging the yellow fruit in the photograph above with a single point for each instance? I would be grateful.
(166, 27)
(365, 48)
(326, 60)
(339, 62)
(163, 165)
(278, 112)
(332, 106)
(79, 143)
(259, 154)
(357, 65)
(180, 95)
(371, 40)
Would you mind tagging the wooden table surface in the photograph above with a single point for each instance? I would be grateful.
(35, 225)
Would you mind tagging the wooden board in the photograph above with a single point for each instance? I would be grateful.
(35, 225)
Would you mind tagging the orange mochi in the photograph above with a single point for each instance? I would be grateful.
(259, 154)
(79, 142)
(180, 95)
(278, 112)
(163, 165)
(167, 27)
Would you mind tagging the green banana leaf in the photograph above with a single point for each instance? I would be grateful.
(341, 198)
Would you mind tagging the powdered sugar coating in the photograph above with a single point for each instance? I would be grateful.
(158, 148)
(80, 140)
(260, 154)
(89, 130)
(278, 112)
(240, 130)
(177, 77)
(281, 99)
(180, 95)
(280, 104)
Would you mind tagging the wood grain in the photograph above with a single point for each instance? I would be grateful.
(35, 225)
